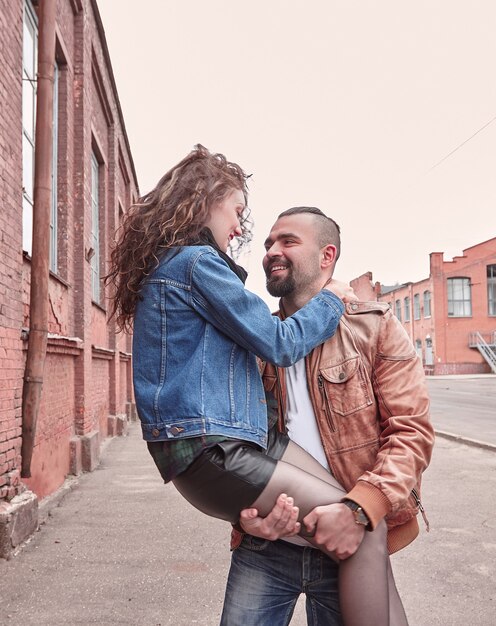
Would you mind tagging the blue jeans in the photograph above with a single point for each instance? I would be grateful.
(266, 579)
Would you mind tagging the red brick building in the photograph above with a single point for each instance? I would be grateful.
(451, 315)
(86, 390)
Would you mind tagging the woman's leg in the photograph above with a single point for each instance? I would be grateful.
(397, 613)
(220, 482)
(365, 595)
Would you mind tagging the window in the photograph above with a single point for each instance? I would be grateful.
(95, 229)
(397, 305)
(418, 347)
(429, 353)
(427, 303)
(55, 137)
(407, 309)
(491, 289)
(459, 297)
(416, 306)
(29, 88)
(29, 67)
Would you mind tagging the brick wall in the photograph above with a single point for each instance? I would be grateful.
(86, 379)
(448, 335)
(11, 356)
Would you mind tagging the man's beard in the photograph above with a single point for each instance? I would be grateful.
(279, 288)
(297, 281)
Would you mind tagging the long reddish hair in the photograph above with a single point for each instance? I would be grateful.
(172, 214)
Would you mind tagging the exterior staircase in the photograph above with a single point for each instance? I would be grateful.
(486, 344)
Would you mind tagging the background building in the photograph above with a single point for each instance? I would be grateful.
(450, 316)
(87, 392)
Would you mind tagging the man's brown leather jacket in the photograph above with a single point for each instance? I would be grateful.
(370, 400)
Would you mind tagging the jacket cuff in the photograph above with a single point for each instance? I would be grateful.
(371, 499)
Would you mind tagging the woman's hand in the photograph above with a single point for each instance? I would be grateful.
(341, 290)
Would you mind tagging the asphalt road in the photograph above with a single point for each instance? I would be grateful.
(464, 406)
(122, 549)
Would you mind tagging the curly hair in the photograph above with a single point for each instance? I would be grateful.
(172, 214)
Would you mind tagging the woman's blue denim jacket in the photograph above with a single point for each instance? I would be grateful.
(197, 332)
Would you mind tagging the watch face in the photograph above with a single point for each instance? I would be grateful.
(358, 512)
(361, 518)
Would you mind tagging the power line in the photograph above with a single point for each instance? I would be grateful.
(420, 177)
(461, 145)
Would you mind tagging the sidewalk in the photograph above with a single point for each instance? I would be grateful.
(123, 549)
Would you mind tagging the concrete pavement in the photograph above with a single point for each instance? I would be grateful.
(120, 548)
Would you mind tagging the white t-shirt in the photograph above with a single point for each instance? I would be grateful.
(301, 422)
(300, 418)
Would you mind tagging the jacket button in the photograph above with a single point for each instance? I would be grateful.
(155, 432)
(175, 430)
(342, 376)
(354, 307)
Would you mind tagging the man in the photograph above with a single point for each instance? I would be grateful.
(359, 405)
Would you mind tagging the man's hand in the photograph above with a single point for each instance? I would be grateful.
(282, 521)
(335, 529)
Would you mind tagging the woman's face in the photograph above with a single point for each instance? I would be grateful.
(225, 218)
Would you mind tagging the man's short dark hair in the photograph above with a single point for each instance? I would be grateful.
(329, 231)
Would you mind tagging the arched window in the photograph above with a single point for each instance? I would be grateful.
(427, 303)
(407, 309)
(418, 347)
(416, 306)
(397, 306)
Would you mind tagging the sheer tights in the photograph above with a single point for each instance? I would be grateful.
(368, 594)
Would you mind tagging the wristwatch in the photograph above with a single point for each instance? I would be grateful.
(360, 515)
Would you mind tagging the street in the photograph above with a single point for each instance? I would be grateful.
(464, 406)
(120, 548)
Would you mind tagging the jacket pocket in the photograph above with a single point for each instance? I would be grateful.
(346, 387)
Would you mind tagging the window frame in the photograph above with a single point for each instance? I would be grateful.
(406, 308)
(416, 306)
(30, 23)
(419, 348)
(450, 285)
(55, 157)
(491, 289)
(428, 301)
(95, 228)
(397, 308)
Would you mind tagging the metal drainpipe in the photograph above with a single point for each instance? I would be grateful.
(38, 299)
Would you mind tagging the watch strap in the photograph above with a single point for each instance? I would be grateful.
(360, 515)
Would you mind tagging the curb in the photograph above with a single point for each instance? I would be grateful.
(475, 443)
(460, 376)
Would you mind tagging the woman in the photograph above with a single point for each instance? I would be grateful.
(197, 333)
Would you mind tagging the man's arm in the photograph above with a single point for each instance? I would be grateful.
(406, 436)
(336, 532)
(406, 433)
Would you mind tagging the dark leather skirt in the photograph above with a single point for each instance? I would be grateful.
(229, 476)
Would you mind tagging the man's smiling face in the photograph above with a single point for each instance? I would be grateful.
(292, 255)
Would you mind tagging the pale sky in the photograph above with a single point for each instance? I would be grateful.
(341, 105)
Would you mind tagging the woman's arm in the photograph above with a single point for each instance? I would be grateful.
(221, 298)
